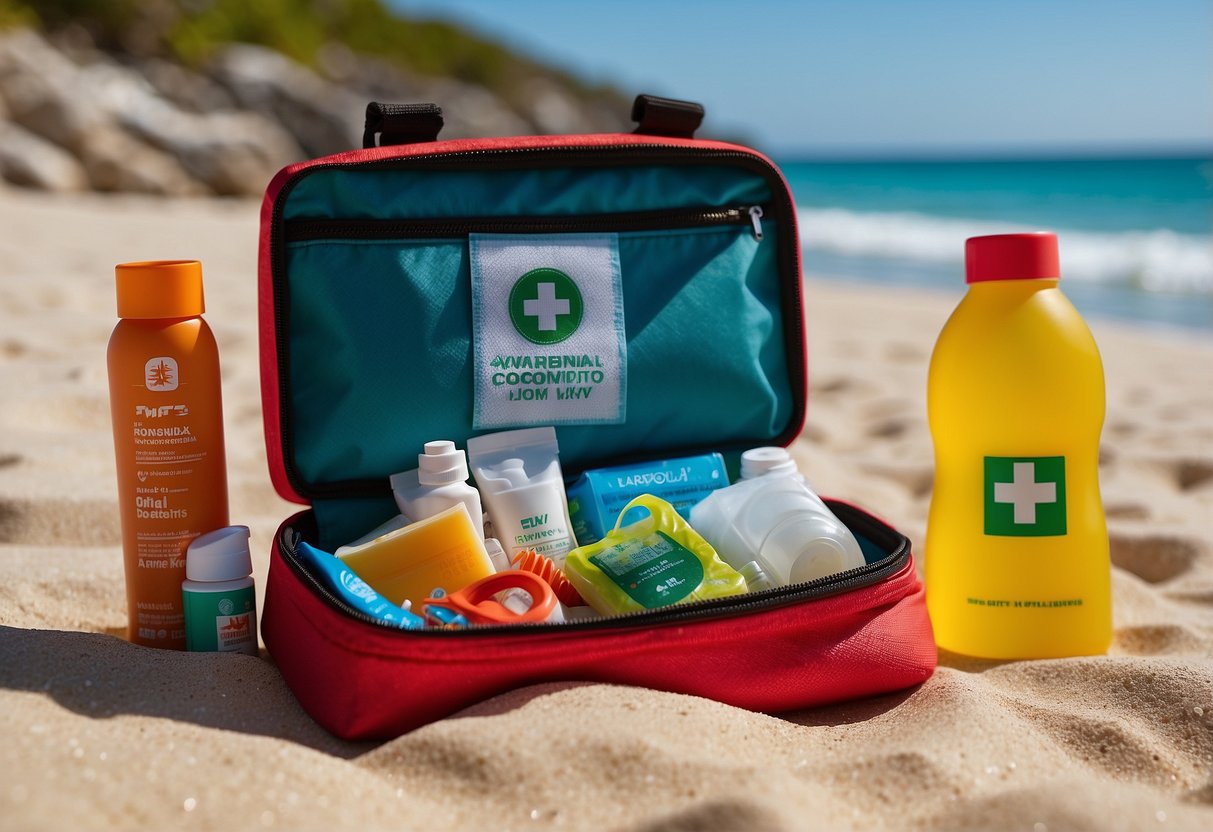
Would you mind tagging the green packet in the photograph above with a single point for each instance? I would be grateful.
(654, 562)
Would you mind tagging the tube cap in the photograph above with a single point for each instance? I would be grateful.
(441, 464)
(1031, 256)
(160, 289)
(221, 555)
(758, 461)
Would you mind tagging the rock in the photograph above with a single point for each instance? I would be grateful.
(156, 127)
(471, 111)
(191, 91)
(554, 110)
(323, 117)
(35, 80)
(114, 161)
(232, 153)
(49, 95)
(467, 110)
(129, 137)
(28, 160)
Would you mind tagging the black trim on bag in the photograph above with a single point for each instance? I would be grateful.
(305, 230)
(782, 211)
(861, 523)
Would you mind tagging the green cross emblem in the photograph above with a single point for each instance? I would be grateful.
(545, 306)
(1025, 496)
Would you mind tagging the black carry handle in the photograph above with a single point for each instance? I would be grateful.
(401, 123)
(412, 123)
(655, 116)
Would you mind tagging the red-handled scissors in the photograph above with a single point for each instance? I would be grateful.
(477, 602)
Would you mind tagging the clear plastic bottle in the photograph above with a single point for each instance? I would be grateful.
(438, 482)
(1016, 557)
(774, 520)
(167, 415)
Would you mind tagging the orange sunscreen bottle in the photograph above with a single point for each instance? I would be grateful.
(168, 438)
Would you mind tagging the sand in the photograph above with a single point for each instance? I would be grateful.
(96, 733)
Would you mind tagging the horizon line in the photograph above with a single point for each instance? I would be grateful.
(1086, 151)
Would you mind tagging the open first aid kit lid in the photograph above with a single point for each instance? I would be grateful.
(641, 293)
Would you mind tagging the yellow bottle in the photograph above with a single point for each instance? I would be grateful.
(1016, 557)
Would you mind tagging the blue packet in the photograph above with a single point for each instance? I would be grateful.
(599, 494)
(347, 586)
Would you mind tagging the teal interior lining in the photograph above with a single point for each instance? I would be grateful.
(380, 353)
(381, 350)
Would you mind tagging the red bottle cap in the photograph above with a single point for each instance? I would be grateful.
(1030, 256)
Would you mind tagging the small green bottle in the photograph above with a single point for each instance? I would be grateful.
(220, 601)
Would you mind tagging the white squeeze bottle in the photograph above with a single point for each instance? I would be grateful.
(772, 518)
(438, 482)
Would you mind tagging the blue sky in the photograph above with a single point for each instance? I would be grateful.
(882, 76)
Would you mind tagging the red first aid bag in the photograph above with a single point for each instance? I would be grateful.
(379, 334)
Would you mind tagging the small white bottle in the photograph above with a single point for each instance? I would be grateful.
(218, 593)
(756, 580)
(773, 519)
(438, 482)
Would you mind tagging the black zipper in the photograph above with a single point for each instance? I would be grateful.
(897, 544)
(781, 210)
(303, 230)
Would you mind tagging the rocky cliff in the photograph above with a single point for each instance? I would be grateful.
(75, 118)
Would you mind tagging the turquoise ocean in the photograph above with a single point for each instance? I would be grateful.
(1135, 234)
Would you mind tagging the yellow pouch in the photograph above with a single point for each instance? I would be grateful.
(651, 563)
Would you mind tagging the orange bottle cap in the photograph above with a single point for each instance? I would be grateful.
(160, 289)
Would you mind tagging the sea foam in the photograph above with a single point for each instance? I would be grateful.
(1157, 261)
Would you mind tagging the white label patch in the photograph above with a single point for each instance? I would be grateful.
(547, 325)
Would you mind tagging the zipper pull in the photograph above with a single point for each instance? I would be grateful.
(756, 221)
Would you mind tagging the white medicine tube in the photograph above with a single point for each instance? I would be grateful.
(522, 487)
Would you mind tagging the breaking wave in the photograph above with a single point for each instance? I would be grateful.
(1155, 261)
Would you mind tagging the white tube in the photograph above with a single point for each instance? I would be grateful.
(521, 485)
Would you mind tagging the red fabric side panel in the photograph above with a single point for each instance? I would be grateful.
(362, 682)
(268, 339)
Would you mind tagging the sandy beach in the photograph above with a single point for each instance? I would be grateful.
(96, 733)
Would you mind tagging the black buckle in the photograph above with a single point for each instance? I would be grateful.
(655, 116)
(401, 123)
